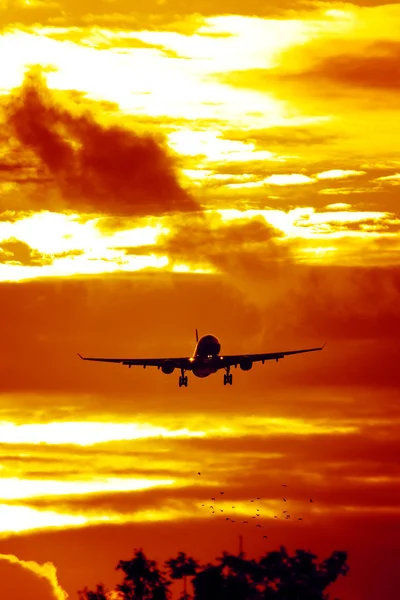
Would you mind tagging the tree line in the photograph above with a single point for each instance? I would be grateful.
(275, 576)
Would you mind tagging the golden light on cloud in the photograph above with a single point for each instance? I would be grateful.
(212, 147)
(86, 433)
(305, 222)
(271, 425)
(338, 174)
(113, 262)
(54, 233)
(13, 488)
(290, 179)
(23, 518)
(71, 246)
(391, 178)
(338, 206)
(46, 571)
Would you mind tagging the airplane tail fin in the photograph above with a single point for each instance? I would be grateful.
(197, 336)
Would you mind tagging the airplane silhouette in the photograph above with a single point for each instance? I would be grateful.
(206, 360)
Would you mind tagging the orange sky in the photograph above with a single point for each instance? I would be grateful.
(232, 167)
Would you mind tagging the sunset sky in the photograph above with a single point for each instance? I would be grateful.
(172, 165)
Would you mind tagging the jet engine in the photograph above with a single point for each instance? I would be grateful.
(246, 363)
(168, 367)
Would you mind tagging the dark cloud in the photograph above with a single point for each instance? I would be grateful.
(375, 66)
(225, 245)
(94, 167)
(378, 67)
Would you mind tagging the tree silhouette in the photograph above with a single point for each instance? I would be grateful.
(239, 577)
(209, 583)
(143, 580)
(181, 567)
(275, 576)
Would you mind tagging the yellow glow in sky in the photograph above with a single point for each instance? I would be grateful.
(24, 518)
(14, 488)
(290, 179)
(338, 174)
(86, 433)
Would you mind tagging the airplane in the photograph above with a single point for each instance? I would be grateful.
(206, 360)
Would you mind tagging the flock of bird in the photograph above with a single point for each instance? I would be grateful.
(285, 514)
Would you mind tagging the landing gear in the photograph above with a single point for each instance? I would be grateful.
(183, 380)
(227, 377)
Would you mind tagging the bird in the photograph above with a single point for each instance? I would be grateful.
(258, 525)
(257, 509)
(257, 515)
(276, 516)
(284, 499)
(213, 512)
(287, 516)
(300, 519)
(233, 506)
(245, 522)
(227, 519)
(258, 498)
(211, 507)
(253, 517)
(284, 512)
(251, 500)
(221, 509)
(221, 492)
(265, 537)
(213, 499)
(203, 504)
(198, 473)
(284, 485)
(311, 500)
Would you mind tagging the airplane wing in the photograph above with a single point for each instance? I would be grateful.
(177, 363)
(235, 359)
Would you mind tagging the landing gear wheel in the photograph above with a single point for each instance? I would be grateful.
(183, 381)
(228, 379)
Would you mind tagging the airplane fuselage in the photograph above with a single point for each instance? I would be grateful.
(206, 356)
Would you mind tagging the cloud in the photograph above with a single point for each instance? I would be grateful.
(393, 179)
(179, 16)
(378, 67)
(338, 174)
(94, 167)
(373, 66)
(13, 251)
(97, 38)
(227, 245)
(283, 137)
(18, 576)
(288, 179)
